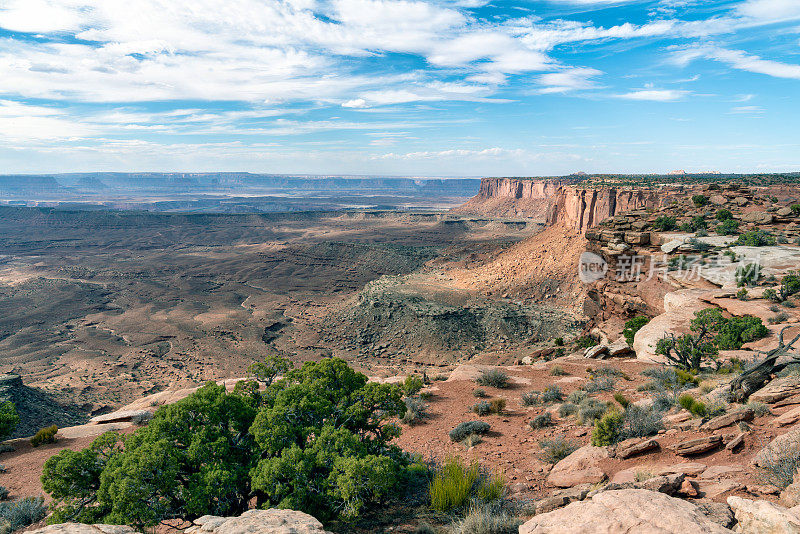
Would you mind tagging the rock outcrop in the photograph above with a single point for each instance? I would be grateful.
(630, 510)
(270, 521)
(763, 517)
(580, 467)
(80, 528)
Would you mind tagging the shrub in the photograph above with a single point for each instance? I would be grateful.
(584, 342)
(622, 400)
(607, 429)
(632, 326)
(556, 449)
(689, 403)
(452, 484)
(552, 394)
(141, 419)
(471, 440)
(322, 426)
(45, 435)
(755, 238)
(748, 274)
(494, 378)
(782, 317)
(541, 421)
(532, 398)
(557, 370)
(460, 432)
(742, 294)
(599, 383)
(779, 462)
(9, 419)
(662, 403)
(790, 284)
(640, 422)
(4, 493)
(412, 385)
(724, 215)
(664, 223)
(482, 408)
(486, 520)
(416, 410)
(795, 209)
(589, 410)
(559, 341)
(497, 406)
(759, 408)
(728, 227)
(699, 200)
(577, 396)
(455, 484)
(23, 512)
(567, 409)
(609, 371)
(480, 393)
(736, 331)
(669, 379)
(771, 294)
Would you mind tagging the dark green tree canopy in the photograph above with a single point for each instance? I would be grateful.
(317, 440)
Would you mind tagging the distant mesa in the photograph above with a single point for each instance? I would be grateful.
(677, 172)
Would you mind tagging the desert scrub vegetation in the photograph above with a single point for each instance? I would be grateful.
(416, 410)
(591, 409)
(692, 405)
(556, 449)
(758, 408)
(412, 385)
(557, 370)
(288, 446)
(21, 513)
(599, 383)
(779, 463)
(748, 275)
(567, 409)
(607, 429)
(728, 227)
(480, 393)
(633, 422)
(9, 419)
(577, 396)
(632, 326)
(552, 394)
(494, 406)
(584, 342)
(455, 484)
(541, 421)
(493, 378)
(45, 435)
(531, 398)
(462, 430)
(665, 223)
(668, 379)
(486, 519)
(755, 238)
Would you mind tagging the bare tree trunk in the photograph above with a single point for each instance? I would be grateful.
(754, 379)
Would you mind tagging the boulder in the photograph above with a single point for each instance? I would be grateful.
(637, 238)
(789, 418)
(669, 484)
(740, 201)
(79, 528)
(736, 442)
(595, 352)
(671, 246)
(719, 200)
(777, 389)
(788, 443)
(784, 212)
(763, 517)
(120, 416)
(628, 510)
(790, 496)
(759, 217)
(729, 419)
(580, 467)
(718, 512)
(270, 521)
(634, 447)
(698, 445)
(620, 348)
(688, 468)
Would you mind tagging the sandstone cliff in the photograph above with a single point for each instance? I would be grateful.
(552, 201)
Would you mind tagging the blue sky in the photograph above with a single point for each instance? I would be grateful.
(445, 88)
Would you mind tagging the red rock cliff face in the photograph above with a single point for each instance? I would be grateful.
(557, 201)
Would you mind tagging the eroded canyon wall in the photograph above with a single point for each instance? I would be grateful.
(553, 201)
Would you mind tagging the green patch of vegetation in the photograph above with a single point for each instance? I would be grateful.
(599, 383)
(21, 513)
(484, 519)
(665, 223)
(584, 342)
(559, 342)
(591, 409)
(748, 274)
(455, 484)
(45, 435)
(632, 326)
(480, 393)
(567, 409)
(699, 200)
(316, 440)
(695, 407)
(622, 400)
(755, 238)
(607, 429)
(552, 394)
(532, 398)
(724, 215)
(462, 430)
(416, 410)
(412, 385)
(728, 227)
(493, 378)
(557, 370)
(9, 419)
(742, 294)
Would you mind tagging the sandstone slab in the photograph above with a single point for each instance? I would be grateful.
(763, 517)
(628, 510)
(580, 467)
(270, 521)
(698, 445)
(778, 389)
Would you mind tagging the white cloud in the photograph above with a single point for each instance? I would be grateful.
(770, 9)
(655, 95)
(569, 80)
(738, 59)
